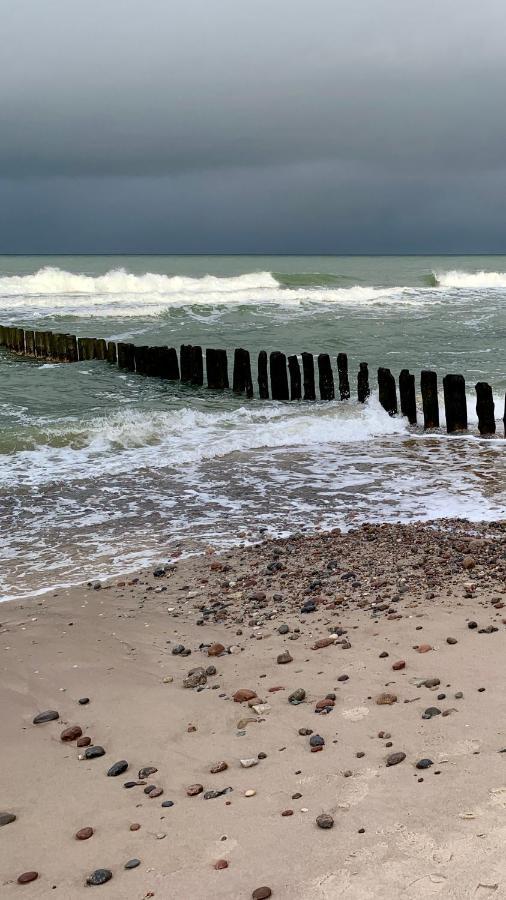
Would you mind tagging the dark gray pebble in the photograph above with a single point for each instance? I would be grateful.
(132, 863)
(94, 752)
(316, 740)
(167, 803)
(424, 764)
(118, 768)
(99, 876)
(83, 701)
(50, 715)
(7, 818)
(430, 712)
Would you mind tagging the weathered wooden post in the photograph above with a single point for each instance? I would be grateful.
(279, 376)
(387, 391)
(308, 376)
(217, 369)
(344, 381)
(242, 382)
(363, 389)
(170, 364)
(485, 408)
(126, 356)
(325, 377)
(295, 382)
(141, 359)
(454, 388)
(263, 378)
(2, 335)
(407, 394)
(30, 343)
(112, 354)
(19, 340)
(430, 402)
(197, 378)
(185, 355)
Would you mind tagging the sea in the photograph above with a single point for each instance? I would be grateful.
(104, 471)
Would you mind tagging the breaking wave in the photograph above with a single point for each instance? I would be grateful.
(459, 279)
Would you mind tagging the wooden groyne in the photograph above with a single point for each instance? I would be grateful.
(278, 377)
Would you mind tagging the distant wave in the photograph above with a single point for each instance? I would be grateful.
(53, 291)
(458, 278)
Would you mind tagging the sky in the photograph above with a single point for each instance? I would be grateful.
(210, 126)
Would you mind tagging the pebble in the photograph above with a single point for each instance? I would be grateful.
(386, 699)
(71, 734)
(195, 678)
(83, 741)
(216, 650)
(248, 763)
(50, 715)
(284, 658)
(431, 682)
(249, 793)
(305, 732)
(400, 664)
(155, 792)
(118, 768)
(7, 818)
(219, 767)
(168, 803)
(424, 764)
(193, 789)
(261, 893)
(135, 826)
(297, 696)
(472, 625)
(243, 695)
(430, 712)
(221, 864)
(146, 771)
(287, 812)
(94, 752)
(451, 640)
(132, 863)
(83, 701)
(395, 758)
(423, 648)
(324, 821)
(316, 740)
(99, 876)
(26, 877)
(283, 629)
(83, 834)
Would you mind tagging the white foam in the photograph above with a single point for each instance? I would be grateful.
(120, 293)
(460, 279)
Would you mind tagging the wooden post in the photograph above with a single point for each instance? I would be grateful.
(141, 359)
(112, 355)
(186, 362)
(40, 351)
(20, 340)
(279, 376)
(325, 377)
(504, 416)
(242, 381)
(407, 394)
(2, 335)
(217, 369)
(126, 356)
(308, 376)
(344, 381)
(170, 364)
(363, 389)
(295, 382)
(387, 391)
(30, 343)
(485, 408)
(263, 378)
(197, 366)
(454, 388)
(428, 385)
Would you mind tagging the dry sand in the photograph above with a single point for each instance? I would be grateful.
(398, 832)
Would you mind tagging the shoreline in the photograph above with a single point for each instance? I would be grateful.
(374, 596)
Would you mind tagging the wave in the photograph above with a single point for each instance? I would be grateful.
(131, 440)
(120, 293)
(460, 279)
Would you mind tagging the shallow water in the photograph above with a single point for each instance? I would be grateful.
(102, 470)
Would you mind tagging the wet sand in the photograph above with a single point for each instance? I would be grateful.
(376, 597)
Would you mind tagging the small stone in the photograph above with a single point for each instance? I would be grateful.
(168, 679)
(84, 741)
(94, 752)
(423, 648)
(451, 640)
(287, 812)
(283, 629)
(7, 818)
(155, 792)
(248, 763)
(400, 664)
(83, 701)
(324, 821)
(50, 715)
(249, 793)
(243, 695)
(430, 712)
(472, 625)
(383, 654)
(284, 658)
(316, 740)
(305, 732)
(424, 764)
(221, 864)
(26, 877)
(468, 562)
(210, 670)
(195, 678)
(99, 876)
(216, 650)
(177, 649)
(146, 771)
(431, 682)
(194, 789)
(219, 767)
(324, 704)
(135, 826)
(132, 863)
(322, 643)
(84, 833)
(395, 758)
(297, 696)
(459, 695)
(386, 699)
(167, 804)
(261, 893)
(118, 768)
(71, 734)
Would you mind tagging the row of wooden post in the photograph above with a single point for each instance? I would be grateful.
(283, 375)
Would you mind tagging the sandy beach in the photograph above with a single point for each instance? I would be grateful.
(389, 618)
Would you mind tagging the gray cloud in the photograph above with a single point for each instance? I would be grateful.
(213, 124)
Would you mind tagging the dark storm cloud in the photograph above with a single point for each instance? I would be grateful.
(212, 124)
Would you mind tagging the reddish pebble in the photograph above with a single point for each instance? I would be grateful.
(316, 749)
(84, 833)
(134, 826)
(156, 792)
(71, 734)
(273, 690)
(261, 893)
(83, 741)
(424, 648)
(221, 864)
(287, 812)
(216, 650)
(400, 664)
(26, 877)
(323, 704)
(194, 789)
(244, 694)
